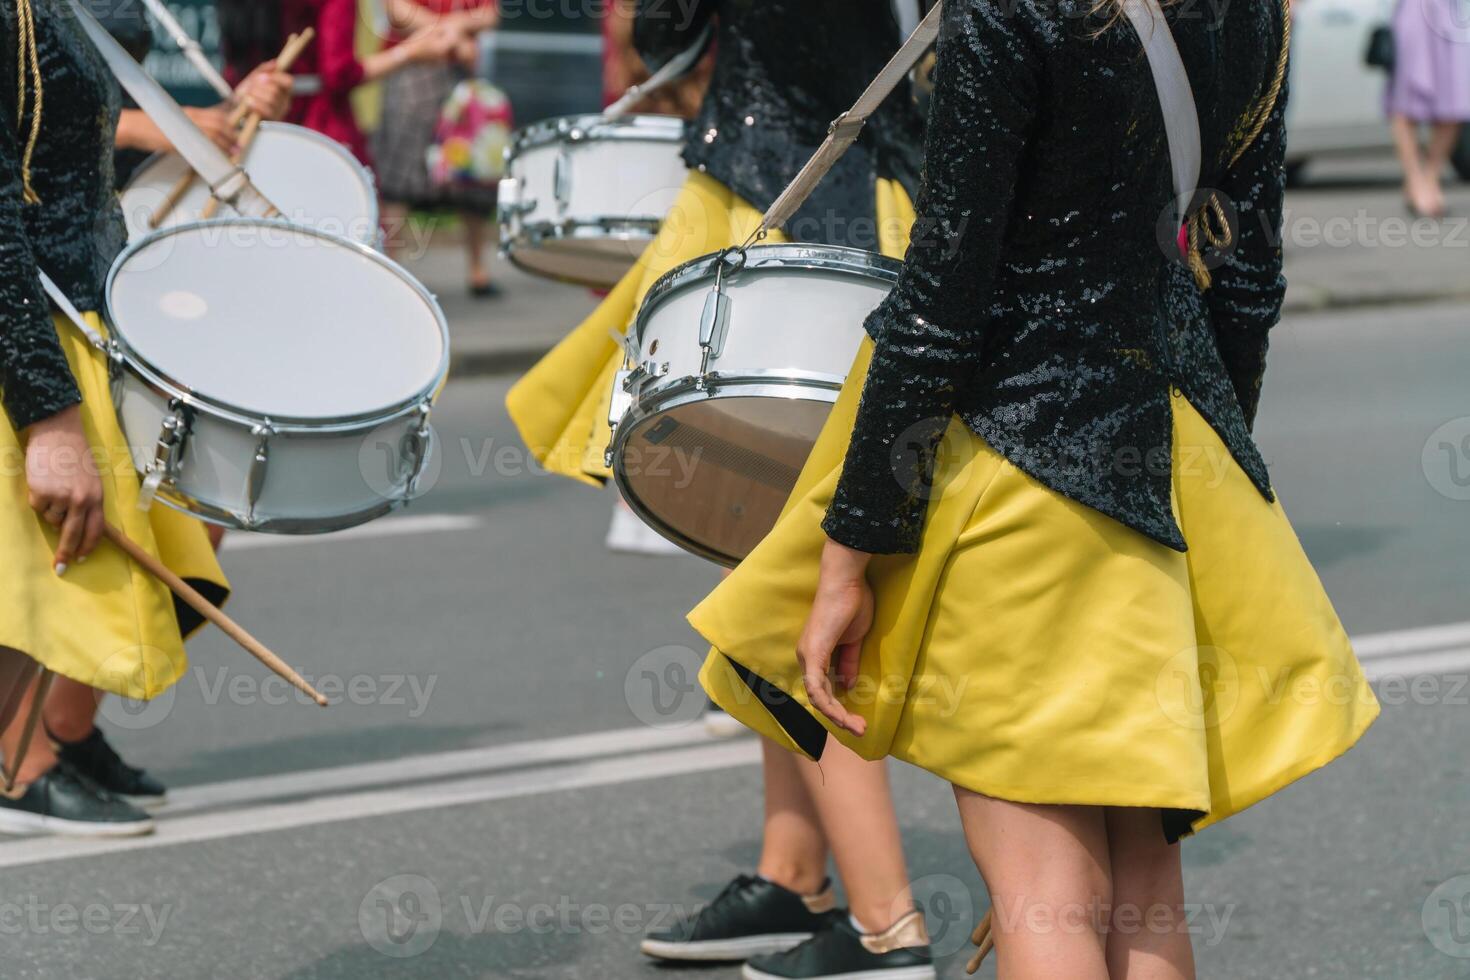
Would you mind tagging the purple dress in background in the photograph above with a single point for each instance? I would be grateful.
(1431, 80)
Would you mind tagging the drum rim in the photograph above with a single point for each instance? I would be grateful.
(749, 384)
(166, 384)
(171, 496)
(811, 258)
(636, 127)
(312, 136)
(515, 244)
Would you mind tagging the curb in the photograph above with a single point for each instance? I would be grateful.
(1304, 299)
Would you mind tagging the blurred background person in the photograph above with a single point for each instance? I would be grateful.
(623, 67)
(412, 101)
(330, 68)
(1429, 87)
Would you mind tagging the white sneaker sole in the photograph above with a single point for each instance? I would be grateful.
(718, 724)
(146, 802)
(897, 973)
(15, 822)
(724, 950)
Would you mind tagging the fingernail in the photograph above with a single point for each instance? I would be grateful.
(60, 569)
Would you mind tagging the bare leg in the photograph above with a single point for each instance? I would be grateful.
(1149, 938)
(474, 240)
(793, 848)
(395, 228)
(1417, 189)
(17, 672)
(1047, 870)
(1443, 138)
(71, 709)
(40, 756)
(853, 802)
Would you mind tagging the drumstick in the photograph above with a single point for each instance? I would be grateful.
(211, 612)
(294, 46)
(241, 114)
(32, 722)
(984, 938)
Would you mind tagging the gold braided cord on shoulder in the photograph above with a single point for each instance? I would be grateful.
(28, 61)
(1209, 224)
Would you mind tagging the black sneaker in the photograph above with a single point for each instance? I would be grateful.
(750, 916)
(840, 952)
(63, 801)
(94, 758)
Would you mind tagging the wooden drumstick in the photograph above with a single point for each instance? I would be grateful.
(32, 722)
(294, 46)
(983, 937)
(240, 115)
(213, 613)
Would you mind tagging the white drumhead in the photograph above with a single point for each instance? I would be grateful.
(312, 179)
(278, 321)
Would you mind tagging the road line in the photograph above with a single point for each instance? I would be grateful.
(1418, 664)
(1390, 644)
(438, 765)
(387, 527)
(386, 802)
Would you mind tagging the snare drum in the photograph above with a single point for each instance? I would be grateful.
(313, 180)
(271, 377)
(736, 359)
(584, 196)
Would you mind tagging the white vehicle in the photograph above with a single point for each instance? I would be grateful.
(1336, 97)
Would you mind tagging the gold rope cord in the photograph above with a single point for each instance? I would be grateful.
(1209, 224)
(28, 61)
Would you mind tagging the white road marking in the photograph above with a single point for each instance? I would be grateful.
(386, 527)
(239, 808)
(385, 802)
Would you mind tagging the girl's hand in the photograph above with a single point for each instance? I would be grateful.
(266, 91)
(434, 44)
(65, 487)
(215, 122)
(841, 616)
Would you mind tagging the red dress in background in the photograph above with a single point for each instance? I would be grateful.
(333, 58)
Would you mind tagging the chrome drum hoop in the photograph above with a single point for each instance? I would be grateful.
(588, 127)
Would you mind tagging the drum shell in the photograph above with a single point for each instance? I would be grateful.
(584, 197)
(284, 155)
(316, 478)
(794, 325)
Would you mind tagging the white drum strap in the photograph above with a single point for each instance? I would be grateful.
(846, 127)
(71, 312)
(190, 48)
(225, 179)
(676, 68)
(1176, 97)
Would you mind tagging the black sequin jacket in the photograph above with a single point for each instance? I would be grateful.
(76, 230)
(1036, 300)
(784, 70)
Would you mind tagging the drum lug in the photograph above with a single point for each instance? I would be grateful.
(259, 464)
(561, 179)
(714, 322)
(173, 432)
(115, 373)
(416, 446)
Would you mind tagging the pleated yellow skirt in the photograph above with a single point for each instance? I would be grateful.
(1040, 652)
(560, 406)
(107, 623)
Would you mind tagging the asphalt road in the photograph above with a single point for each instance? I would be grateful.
(505, 788)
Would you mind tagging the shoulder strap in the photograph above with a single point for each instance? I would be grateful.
(1176, 97)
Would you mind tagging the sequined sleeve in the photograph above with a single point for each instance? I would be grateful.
(1245, 300)
(664, 28)
(35, 380)
(927, 332)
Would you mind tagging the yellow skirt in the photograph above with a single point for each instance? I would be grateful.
(560, 406)
(1040, 652)
(108, 623)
